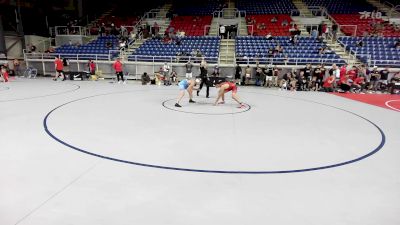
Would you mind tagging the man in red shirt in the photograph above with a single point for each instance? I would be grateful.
(352, 73)
(343, 71)
(58, 63)
(328, 83)
(118, 70)
(358, 84)
(92, 67)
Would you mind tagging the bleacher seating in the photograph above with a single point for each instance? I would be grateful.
(196, 7)
(276, 29)
(265, 6)
(209, 47)
(380, 50)
(307, 50)
(363, 25)
(89, 51)
(342, 6)
(191, 25)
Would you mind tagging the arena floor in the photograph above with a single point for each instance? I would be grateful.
(102, 153)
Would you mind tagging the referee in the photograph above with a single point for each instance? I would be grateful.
(203, 77)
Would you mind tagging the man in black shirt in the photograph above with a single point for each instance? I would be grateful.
(268, 72)
(203, 77)
(238, 73)
(374, 80)
(317, 78)
(384, 78)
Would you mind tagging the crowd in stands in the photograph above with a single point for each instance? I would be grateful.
(344, 79)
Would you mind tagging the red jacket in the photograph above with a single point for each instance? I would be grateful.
(117, 66)
(59, 64)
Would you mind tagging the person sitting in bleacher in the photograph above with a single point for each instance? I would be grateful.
(397, 44)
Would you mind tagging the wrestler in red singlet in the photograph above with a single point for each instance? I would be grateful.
(232, 87)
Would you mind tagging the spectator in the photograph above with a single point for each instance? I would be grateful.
(109, 44)
(317, 78)
(65, 62)
(174, 77)
(215, 72)
(247, 75)
(274, 19)
(343, 70)
(145, 78)
(284, 82)
(358, 85)
(275, 75)
(328, 84)
(58, 63)
(222, 31)
(334, 31)
(345, 83)
(270, 52)
(394, 84)
(118, 71)
(314, 33)
(189, 67)
(278, 49)
(294, 40)
(16, 64)
(238, 73)
(397, 44)
(268, 76)
(259, 73)
(165, 69)
(269, 36)
(4, 74)
(374, 80)
(360, 43)
(292, 82)
(198, 53)
(33, 48)
(285, 23)
(384, 77)
(102, 30)
(156, 29)
(92, 67)
(321, 50)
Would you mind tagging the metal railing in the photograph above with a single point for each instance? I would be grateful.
(288, 61)
(295, 12)
(252, 29)
(318, 11)
(72, 30)
(44, 56)
(355, 29)
(170, 59)
(236, 13)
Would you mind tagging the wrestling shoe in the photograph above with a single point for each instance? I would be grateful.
(241, 106)
(177, 105)
(191, 101)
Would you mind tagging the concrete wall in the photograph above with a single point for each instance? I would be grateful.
(64, 39)
(14, 47)
(305, 20)
(41, 43)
